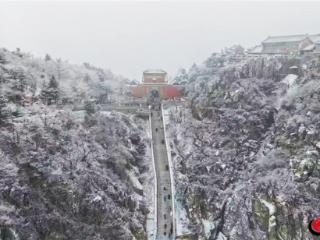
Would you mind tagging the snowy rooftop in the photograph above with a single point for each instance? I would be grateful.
(288, 38)
(256, 49)
(315, 38)
(292, 38)
(309, 47)
(155, 71)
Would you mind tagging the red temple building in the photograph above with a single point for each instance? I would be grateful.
(155, 81)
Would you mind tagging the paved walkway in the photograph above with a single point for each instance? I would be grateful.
(164, 198)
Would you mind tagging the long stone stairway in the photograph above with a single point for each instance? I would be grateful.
(165, 221)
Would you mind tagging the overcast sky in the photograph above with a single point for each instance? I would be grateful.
(129, 37)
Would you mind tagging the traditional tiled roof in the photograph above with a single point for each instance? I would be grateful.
(309, 47)
(288, 38)
(154, 71)
(293, 38)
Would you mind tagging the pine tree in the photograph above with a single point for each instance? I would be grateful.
(90, 109)
(53, 83)
(181, 77)
(87, 78)
(19, 79)
(3, 105)
(50, 95)
(103, 93)
(47, 58)
(2, 58)
(61, 71)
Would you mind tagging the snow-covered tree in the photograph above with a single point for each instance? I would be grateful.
(102, 92)
(60, 69)
(47, 58)
(90, 108)
(50, 94)
(2, 58)
(3, 111)
(18, 77)
(181, 77)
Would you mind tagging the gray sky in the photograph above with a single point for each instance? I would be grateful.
(128, 37)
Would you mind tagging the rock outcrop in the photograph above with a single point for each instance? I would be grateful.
(246, 147)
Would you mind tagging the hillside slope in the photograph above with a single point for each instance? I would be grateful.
(246, 146)
(68, 174)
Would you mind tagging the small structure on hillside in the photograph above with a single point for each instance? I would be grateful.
(288, 45)
(155, 82)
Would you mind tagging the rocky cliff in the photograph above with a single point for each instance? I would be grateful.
(246, 146)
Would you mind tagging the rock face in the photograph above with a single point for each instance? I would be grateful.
(67, 174)
(246, 148)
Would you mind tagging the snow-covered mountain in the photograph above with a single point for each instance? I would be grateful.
(68, 174)
(246, 147)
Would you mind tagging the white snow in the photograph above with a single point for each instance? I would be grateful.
(57, 171)
(13, 232)
(78, 114)
(290, 79)
(135, 181)
(173, 191)
(182, 220)
(221, 236)
(6, 208)
(270, 206)
(152, 203)
(272, 210)
(151, 228)
(208, 226)
(97, 198)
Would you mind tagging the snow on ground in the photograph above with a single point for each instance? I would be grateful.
(165, 117)
(182, 220)
(272, 211)
(180, 213)
(149, 187)
(134, 180)
(208, 226)
(270, 206)
(221, 237)
(86, 166)
(97, 198)
(290, 79)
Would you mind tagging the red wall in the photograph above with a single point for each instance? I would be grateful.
(168, 91)
(171, 92)
(139, 91)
